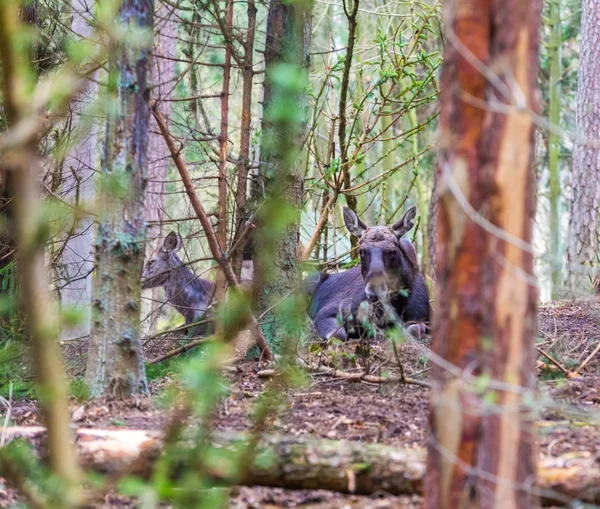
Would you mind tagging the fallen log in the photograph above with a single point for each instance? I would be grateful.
(308, 463)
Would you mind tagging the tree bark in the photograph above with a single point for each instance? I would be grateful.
(280, 179)
(554, 143)
(76, 262)
(243, 164)
(115, 360)
(583, 252)
(482, 450)
(308, 463)
(221, 280)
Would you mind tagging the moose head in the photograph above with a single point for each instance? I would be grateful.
(162, 262)
(388, 263)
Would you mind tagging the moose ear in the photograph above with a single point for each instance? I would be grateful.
(353, 224)
(405, 223)
(172, 243)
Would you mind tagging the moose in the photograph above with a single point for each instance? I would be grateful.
(388, 275)
(189, 294)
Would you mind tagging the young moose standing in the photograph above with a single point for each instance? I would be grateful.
(186, 292)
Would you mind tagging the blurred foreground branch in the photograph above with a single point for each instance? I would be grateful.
(23, 168)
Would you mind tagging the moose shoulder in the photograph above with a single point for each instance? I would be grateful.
(388, 274)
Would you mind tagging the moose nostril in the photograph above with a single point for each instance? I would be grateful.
(371, 295)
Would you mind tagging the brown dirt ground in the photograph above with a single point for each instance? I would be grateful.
(569, 411)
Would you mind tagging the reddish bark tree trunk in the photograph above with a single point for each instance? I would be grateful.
(482, 451)
(221, 281)
(243, 165)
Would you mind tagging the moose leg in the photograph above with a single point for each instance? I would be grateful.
(329, 327)
(201, 329)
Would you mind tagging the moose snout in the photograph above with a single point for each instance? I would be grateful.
(377, 288)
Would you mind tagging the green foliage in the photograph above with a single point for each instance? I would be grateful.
(20, 460)
(80, 390)
(115, 184)
(162, 369)
(14, 368)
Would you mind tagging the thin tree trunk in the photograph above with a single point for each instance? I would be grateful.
(221, 281)
(76, 262)
(554, 142)
(583, 252)
(432, 220)
(243, 165)
(351, 11)
(481, 452)
(115, 360)
(276, 271)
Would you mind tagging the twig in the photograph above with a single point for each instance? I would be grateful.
(554, 361)
(359, 376)
(322, 220)
(575, 373)
(175, 329)
(181, 349)
(397, 356)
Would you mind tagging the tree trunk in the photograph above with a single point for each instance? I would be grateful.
(243, 164)
(351, 12)
(583, 252)
(280, 180)
(163, 74)
(115, 363)
(432, 221)
(485, 326)
(221, 281)
(308, 463)
(76, 262)
(554, 142)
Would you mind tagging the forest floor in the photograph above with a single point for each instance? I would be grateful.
(568, 415)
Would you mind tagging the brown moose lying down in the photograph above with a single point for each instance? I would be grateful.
(388, 277)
